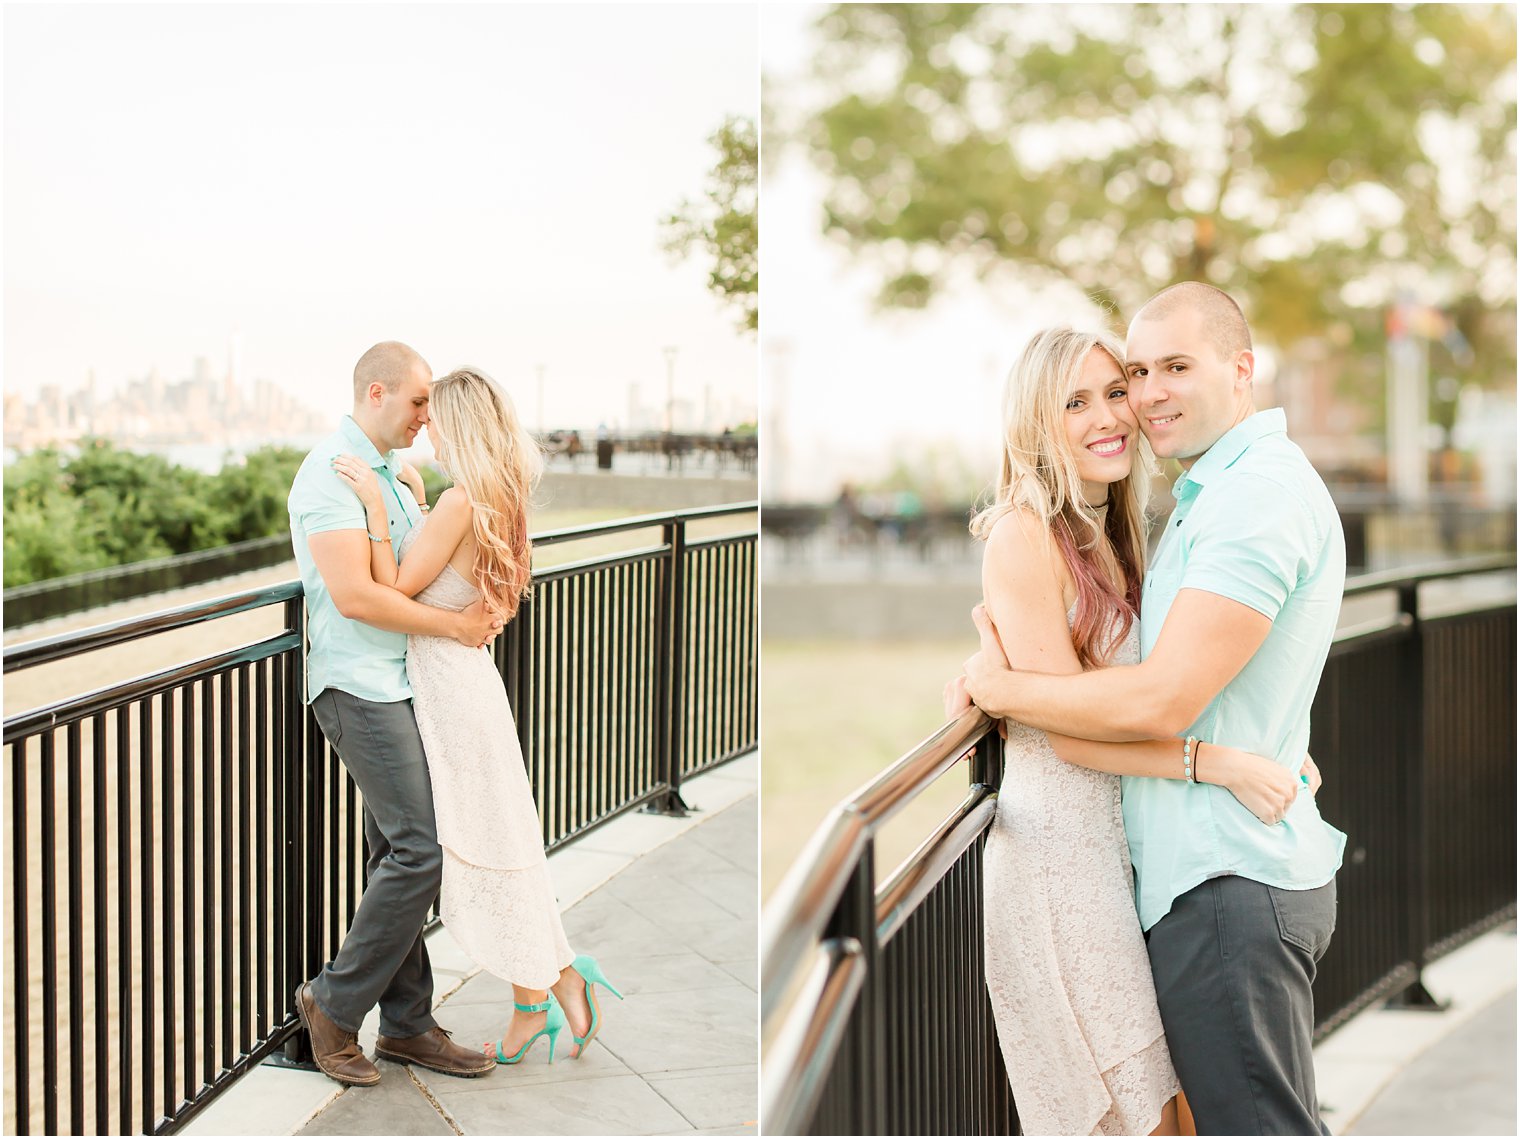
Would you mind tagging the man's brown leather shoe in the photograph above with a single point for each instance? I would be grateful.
(335, 1049)
(434, 1050)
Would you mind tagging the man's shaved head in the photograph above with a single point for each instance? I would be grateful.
(387, 364)
(1223, 323)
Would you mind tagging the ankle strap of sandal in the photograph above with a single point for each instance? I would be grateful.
(542, 1006)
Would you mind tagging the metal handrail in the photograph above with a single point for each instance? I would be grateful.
(795, 918)
(807, 1044)
(1405, 576)
(642, 522)
(911, 883)
(47, 649)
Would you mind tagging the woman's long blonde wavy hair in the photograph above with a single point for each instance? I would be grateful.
(1039, 474)
(491, 457)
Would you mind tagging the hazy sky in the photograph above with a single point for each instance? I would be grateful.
(848, 389)
(481, 181)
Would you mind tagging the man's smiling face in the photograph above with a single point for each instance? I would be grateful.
(1184, 391)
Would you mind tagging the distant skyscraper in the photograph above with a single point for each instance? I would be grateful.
(232, 400)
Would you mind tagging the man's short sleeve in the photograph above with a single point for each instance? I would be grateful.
(320, 501)
(1254, 540)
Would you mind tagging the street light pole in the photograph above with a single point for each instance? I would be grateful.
(670, 389)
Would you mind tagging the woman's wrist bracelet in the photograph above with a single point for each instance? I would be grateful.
(372, 538)
(1187, 758)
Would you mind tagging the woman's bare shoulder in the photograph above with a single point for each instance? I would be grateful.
(1022, 553)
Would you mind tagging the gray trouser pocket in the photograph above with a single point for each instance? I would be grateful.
(1305, 918)
(325, 708)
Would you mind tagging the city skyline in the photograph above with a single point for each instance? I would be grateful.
(211, 407)
(313, 181)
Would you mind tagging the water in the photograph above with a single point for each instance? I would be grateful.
(208, 458)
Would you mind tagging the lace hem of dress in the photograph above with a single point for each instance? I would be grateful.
(507, 921)
(1134, 1086)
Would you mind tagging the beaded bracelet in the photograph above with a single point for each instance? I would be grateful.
(1187, 758)
(372, 538)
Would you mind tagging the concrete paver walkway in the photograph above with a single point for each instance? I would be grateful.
(670, 908)
(1450, 1072)
(676, 932)
(1463, 1085)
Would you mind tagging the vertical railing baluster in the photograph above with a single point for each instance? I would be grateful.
(147, 844)
(226, 902)
(20, 955)
(561, 752)
(246, 712)
(209, 959)
(1411, 752)
(282, 983)
(580, 724)
(100, 908)
(49, 916)
(187, 902)
(331, 777)
(672, 634)
(167, 829)
(124, 900)
(263, 727)
(72, 736)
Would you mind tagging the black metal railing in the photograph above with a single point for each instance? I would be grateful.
(185, 847)
(1379, 531)
(1416, 722)
(875, 1017)
(60, 596)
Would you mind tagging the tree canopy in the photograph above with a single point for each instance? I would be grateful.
(724, 224)
(1316, 161)
(108, 506)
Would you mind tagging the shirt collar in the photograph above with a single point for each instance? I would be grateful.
(366, 450)
(1230, 446)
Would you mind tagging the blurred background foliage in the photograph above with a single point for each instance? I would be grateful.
(1318, 162)
(724, 224)
(108, 506)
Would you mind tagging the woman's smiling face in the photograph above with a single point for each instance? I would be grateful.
(1100, 427)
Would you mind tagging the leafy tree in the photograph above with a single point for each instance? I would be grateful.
(108, 506)
(154, 508)
(251, 498)
(724, 225)
(1314, 160)
(48, 532)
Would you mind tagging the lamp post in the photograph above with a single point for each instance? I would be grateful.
(670, 389)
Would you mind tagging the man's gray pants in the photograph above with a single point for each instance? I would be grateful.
(1234, 964)
(383, 959)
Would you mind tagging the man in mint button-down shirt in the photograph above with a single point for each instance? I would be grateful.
(357, 688)
(363, 660)
(1238, 611)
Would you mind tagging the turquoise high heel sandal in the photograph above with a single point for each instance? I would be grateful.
(592, 974)
(552, 1024)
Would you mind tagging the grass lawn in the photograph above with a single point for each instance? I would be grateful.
(833, 715)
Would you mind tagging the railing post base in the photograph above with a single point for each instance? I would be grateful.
(1416, 998)
(668, 803)
(295, 1054)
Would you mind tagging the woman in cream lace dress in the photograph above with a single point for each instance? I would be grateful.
(496, 900)
(1066, 965)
